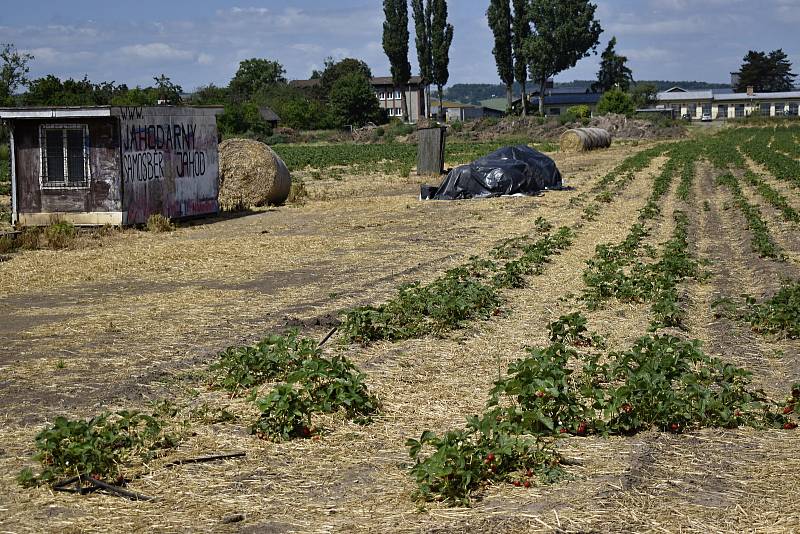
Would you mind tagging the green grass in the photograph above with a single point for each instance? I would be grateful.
(386, 156)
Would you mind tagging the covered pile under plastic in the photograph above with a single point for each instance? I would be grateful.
(516, 170)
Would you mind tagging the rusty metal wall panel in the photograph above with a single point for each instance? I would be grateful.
(103, 193)
(170, 163)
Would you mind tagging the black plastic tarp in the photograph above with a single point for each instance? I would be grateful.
(514, 170)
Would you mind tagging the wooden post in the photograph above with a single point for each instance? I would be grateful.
(430, 151)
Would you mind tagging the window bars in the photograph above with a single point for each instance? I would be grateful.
(64, 156)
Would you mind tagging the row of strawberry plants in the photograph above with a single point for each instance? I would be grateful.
(779, 165)
(725, 156)
(463, 293)
(772, 196)
(660, 383)
(616, 180)
(778, 315)
(785, 140)
(762, 241)
(305, 383)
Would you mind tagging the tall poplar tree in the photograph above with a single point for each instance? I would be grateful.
(499, 17)
(441, 39)
(422, 25)
(564, 32)
(614, 71)
(521, 28)
(395, 45)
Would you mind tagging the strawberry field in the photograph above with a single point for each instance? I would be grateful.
(623, 355)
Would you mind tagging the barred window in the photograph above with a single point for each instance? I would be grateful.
(722, 111)
(739, 110)
(793, 109)
(64, 155)
(766, 110)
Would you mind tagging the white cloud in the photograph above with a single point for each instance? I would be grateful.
(155, 51)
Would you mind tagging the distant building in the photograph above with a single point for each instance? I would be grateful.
(269, 116)
(558, 101)
(456, 111)
(389, 96)
(721, 105)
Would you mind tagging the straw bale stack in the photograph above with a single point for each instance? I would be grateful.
(251, 174)
(581, 139)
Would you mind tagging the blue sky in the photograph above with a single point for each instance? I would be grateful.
(202, 41)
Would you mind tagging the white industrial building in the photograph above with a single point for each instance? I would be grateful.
(721, 105)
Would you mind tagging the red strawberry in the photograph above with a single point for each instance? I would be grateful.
(738, 413)
(674, 427)
(788, 410)
(627, 408)
(540, 394)
(517, 483)
(790, 426)
(582, 429)
(563, 430)
(490, 457)
(527, 484)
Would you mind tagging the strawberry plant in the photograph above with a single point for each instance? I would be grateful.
(661, 382)
(318, 385)
(101, 447)
(762, 240)
(463, 293)
(273, 358)
(778, 315)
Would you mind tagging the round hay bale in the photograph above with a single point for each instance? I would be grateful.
(251, 174)
(580, 139)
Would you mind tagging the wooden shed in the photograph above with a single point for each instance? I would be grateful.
(112, 165)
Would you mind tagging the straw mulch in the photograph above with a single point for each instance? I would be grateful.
(251, 174)
(231, 282)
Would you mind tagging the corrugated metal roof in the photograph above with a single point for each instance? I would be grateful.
(724, 96)
(565, 99)
(55, 112)
(759, 96)
(687, 96)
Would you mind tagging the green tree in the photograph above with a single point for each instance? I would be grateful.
(564, 33)
(613, 70)
(353, 102)
(521, 27)
(499, 17)
(441, 39)
(168, 91)
(766, 72)
(253, 75)
(334, 70)
(644, 95)
(422, 26)
(243, 119)
(210, 95)
(13, 72)
(616, 101)
(395, 45)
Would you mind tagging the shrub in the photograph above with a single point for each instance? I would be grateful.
(60, 235)
(158, 223)
(616, 101)
(580, 112)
